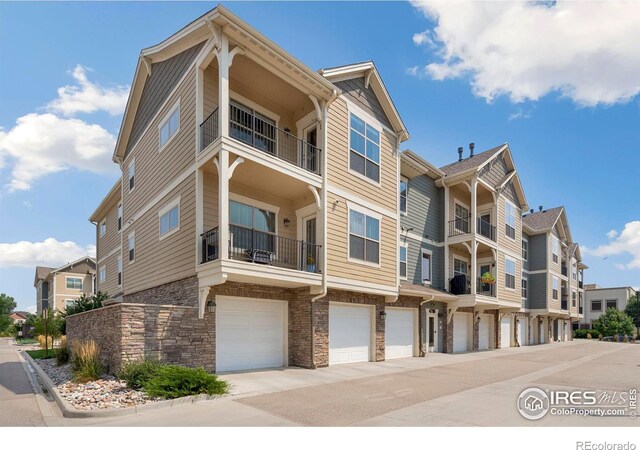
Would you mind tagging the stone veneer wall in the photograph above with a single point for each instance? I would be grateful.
(130, 331)
(182, 292)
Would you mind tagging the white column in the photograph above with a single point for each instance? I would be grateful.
(199, 214)
(446, 237)
(199, 105)
(474, 249)
(223, 86)
(223, 202)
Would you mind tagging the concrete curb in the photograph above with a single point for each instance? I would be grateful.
(68, 410)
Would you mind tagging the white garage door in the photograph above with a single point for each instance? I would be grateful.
(349, 333)
(399, 333)
(505, 332)
(523, 337)
(566, 330)
(484, 331)
(249, 334)
(543, 332)
(460, 332)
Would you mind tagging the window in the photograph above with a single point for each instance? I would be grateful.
(132, 175)
(574, 271)
(132, 247)
(253, 229)
(510, 226)
(426, 267)
(364, 145)
(170, 126)
(119, 217)
(525, 286)
(103, 227)
(74, 283)
(525, 249)
(364, 237)
(403, 195)
(462, 218)
(573, 298)
(612, 304)
(102, 274)
(119, 270)
(459, 267)
(510, 273)
(170, 218)
(403, 262)
(555, 288)
(554, 248)
(596, 305)
(69, 303)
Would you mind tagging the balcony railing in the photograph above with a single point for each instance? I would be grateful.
(563, 304)
(485, 288)
(580, 284)
(486, 229)
(459, 226)
(260, 247)
(209, 130)
(564, 270)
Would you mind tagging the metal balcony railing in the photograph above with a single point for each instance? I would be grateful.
(486, 229)
(260, 247)
(563, 304)
(209, 130)
(459, 226)
(485, 288)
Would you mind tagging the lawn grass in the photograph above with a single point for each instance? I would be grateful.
(40, 354)
(24, 341)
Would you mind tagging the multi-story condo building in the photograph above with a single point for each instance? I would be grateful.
(56, 288)
(553, 275)
(599, 299)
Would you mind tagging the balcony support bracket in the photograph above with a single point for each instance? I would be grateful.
(203, 293)
(450, 310)
(317, 107)
(147, 64)
(239, 160)
(316, 195)
(390, 298)
(236, 51)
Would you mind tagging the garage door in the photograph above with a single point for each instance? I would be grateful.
(249, 334)
(460, 332)
(566, 330)
(543, 332)
(349, 333)
(505, 332)
(484, 331)
(523, 337)
(400, 333)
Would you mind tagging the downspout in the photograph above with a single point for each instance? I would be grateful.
(323, 293)
(420, 334)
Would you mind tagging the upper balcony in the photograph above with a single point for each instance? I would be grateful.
(460, 226)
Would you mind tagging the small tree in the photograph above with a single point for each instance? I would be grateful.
(85, 303)
(633, 311)
(55, 327)
(7, 304)
(613, 322)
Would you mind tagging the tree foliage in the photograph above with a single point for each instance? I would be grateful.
(85, 303)
(7, 305)
(633, 309)
(613, 322)
(55, 325)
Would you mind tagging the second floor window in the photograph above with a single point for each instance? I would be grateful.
(525, 286)
(573, 298)
(403, 262)
(103, 228)
(364, 237)
(102, 274)
(170, 126)
(132, 175)
(119, 270)
(525, 249)
(510, 273)
(555, 244)
(364, 148)
(574, 271)
(555, 288)
(169, 219)
(132, 247)
(462, 218)
(510, 225)
(596, 305)
(612, 304)
(403, 196)
(119, 217)
(74, 283)
(460, 267)
(426, 267)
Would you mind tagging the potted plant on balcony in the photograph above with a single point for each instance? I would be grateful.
(311, 264)
(487, 278)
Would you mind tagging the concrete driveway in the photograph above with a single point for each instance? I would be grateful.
(474, 389)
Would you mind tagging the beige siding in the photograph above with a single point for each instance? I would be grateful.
(210, 94)
(504, 294)
(162, 261)
(111, 240)
(110, 286)
(57, 301)
(338, 161)
(210, 201)
(510, 245)
(337, 247)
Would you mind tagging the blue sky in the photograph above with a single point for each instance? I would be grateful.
(569, 111)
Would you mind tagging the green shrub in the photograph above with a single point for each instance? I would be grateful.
(177, 381)
(62, 355)
(85, 361)
(40, 354)
(582, 333)
(137, 374)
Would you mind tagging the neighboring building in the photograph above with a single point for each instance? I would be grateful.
(57, 288)
(554, 274)
(18, 317)
(599, 299)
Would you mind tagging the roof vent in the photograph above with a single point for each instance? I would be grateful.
(471, 147)
(460, 150)
(540, 207)
(531, 211)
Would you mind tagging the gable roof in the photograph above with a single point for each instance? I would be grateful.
(70, 265)
(414, 165)
(474, 162)
(542, 220)
(41, 273)
(372, 78)
(21, 314)
(111, 197)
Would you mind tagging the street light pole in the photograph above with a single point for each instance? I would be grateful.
(45, 315)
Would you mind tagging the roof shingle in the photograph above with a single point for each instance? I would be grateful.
(470, 163)
(542, 220)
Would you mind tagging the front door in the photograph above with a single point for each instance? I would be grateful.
(485, 289)
(310, 156)
(309, 230)
(432, 333)
(485, 225)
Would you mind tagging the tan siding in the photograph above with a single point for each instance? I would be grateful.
(161, 261)
(111, 239)
(210, 94)
(504, 242)
(504, 294)
(337, 257)
(210, 201)
(110, 286)
(338, 161)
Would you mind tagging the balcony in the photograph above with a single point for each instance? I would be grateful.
(563, 304)
(262, 135)
(486, 229)
(580, 284)
(564, 270)
(260, 247)
(485, 288)
(459, 226)
(580, 310)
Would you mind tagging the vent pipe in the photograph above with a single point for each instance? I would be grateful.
(472, 146)
(540, 207)
(460, 150)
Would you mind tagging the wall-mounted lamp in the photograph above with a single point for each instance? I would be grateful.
(287, 130)
(211, 306)
(383, 314)
(287, 223)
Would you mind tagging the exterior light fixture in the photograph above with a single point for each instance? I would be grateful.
(211, 306)
(383, 314)
(287, 223)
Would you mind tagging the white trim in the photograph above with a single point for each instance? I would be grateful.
(360, 286)
(515, 219)
(534, 272)
(525, 239)
(366, 204)
(119, 270)
(422, 252)
(132, 163)
(359, 175)
(165, 120)
(103, 222)
(302, 214)
(109, 255)
(406, 181)
(80, 277)
(165, 209)
(100, 269)
(417, 237)
(129, 237)
(461, 203)
(306, 122)
(235, 97)
(352, 107)
(376, 126)
(404, 244)
(255, 203)
(366, 213)
(364, 210)
(515, 270)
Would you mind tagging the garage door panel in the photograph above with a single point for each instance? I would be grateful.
(460, 332)
(349, 334)
(484, 331)
(505, 332)
(523, 335)
(399, 333)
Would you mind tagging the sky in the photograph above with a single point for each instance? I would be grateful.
(558, 81)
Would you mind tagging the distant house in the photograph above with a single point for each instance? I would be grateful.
(599, 299)
(57, 288)
(18, 317)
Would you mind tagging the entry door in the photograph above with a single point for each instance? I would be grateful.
(310, 156)
(485, 289)
(432, 333)
(485, 225)
(311, 255)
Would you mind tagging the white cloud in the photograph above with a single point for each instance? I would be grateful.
(519, 114)
(411, 71)
(31, 309)
(50, 252)
(89, 97)
(424, 38)
(586, 51)
(612, 234)
(42, 144)
(27, 204)
(625, 243)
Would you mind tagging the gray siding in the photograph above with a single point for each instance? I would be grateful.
(525, 264)
(414, 260)
(494, 172)
(424, 208)
(355, 91)
(537, 291)
(538, 252)
(164, 77)
(510, 193)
